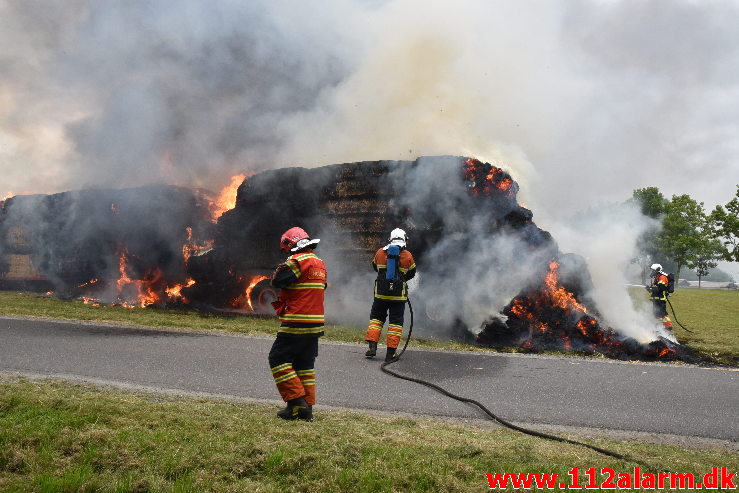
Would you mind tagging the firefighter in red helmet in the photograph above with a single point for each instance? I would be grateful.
(302, 281)
(391, 293)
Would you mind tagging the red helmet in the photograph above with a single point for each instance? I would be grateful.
(295, 239)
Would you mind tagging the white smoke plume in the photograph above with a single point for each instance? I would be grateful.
(606, 236)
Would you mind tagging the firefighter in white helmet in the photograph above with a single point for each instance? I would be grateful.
(394, 265)
(658, 291)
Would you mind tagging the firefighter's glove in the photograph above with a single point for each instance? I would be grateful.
(279, 269)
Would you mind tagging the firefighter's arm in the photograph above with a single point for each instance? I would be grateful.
(408, 266)
(285, 274)
(659, 289)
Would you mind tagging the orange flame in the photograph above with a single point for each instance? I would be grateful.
(244, 300)
(558, 294)
(254, 281)
(175, 292)
(520, 310)
(146, 292)
(226, 199)
(88, 283)
(191, 248)
(494, 178)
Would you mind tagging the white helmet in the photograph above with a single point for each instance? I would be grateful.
(398, 237)
(656, 267)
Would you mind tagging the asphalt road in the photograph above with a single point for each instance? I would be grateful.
(653, 398)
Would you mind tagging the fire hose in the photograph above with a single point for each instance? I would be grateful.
(484, 409)
(674, 315)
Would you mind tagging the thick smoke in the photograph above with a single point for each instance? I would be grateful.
(126, 94)
(628, 93)
(606, 235)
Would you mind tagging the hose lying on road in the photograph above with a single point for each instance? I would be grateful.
(484, 409)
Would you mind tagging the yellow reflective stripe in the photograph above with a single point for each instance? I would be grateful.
(295, 316)
(286, 377)
(308, 382)
(281, 367)
(395, 329)
(303, 256)
(306, 372)
(295, 268)
(301, 330)
(307, 285)
(391, 298)
(302, 321)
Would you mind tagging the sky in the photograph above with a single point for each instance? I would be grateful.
(583, 101)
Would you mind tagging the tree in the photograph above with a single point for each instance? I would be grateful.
(651, 203)
(727, 227)
(682, 230)
(707, 250)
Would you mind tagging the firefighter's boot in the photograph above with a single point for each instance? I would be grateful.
(372, 351)
(390, 355)
(297, 409)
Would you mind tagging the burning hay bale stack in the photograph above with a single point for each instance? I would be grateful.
(117, 244)
(449, 206)
(347, 204)
(550, 315)
(440, 201)
(476, 247)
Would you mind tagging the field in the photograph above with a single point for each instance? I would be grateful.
(57, 436)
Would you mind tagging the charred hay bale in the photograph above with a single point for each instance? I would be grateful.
(79, 235)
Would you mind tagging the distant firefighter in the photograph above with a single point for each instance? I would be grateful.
(302, 281)
(659, 290)
(394, 265)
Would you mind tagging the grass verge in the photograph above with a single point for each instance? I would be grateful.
(57, 436)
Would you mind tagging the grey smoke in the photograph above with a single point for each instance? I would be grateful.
(628, 93)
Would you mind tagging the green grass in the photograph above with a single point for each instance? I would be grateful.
(59, 437)
(712, 314)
